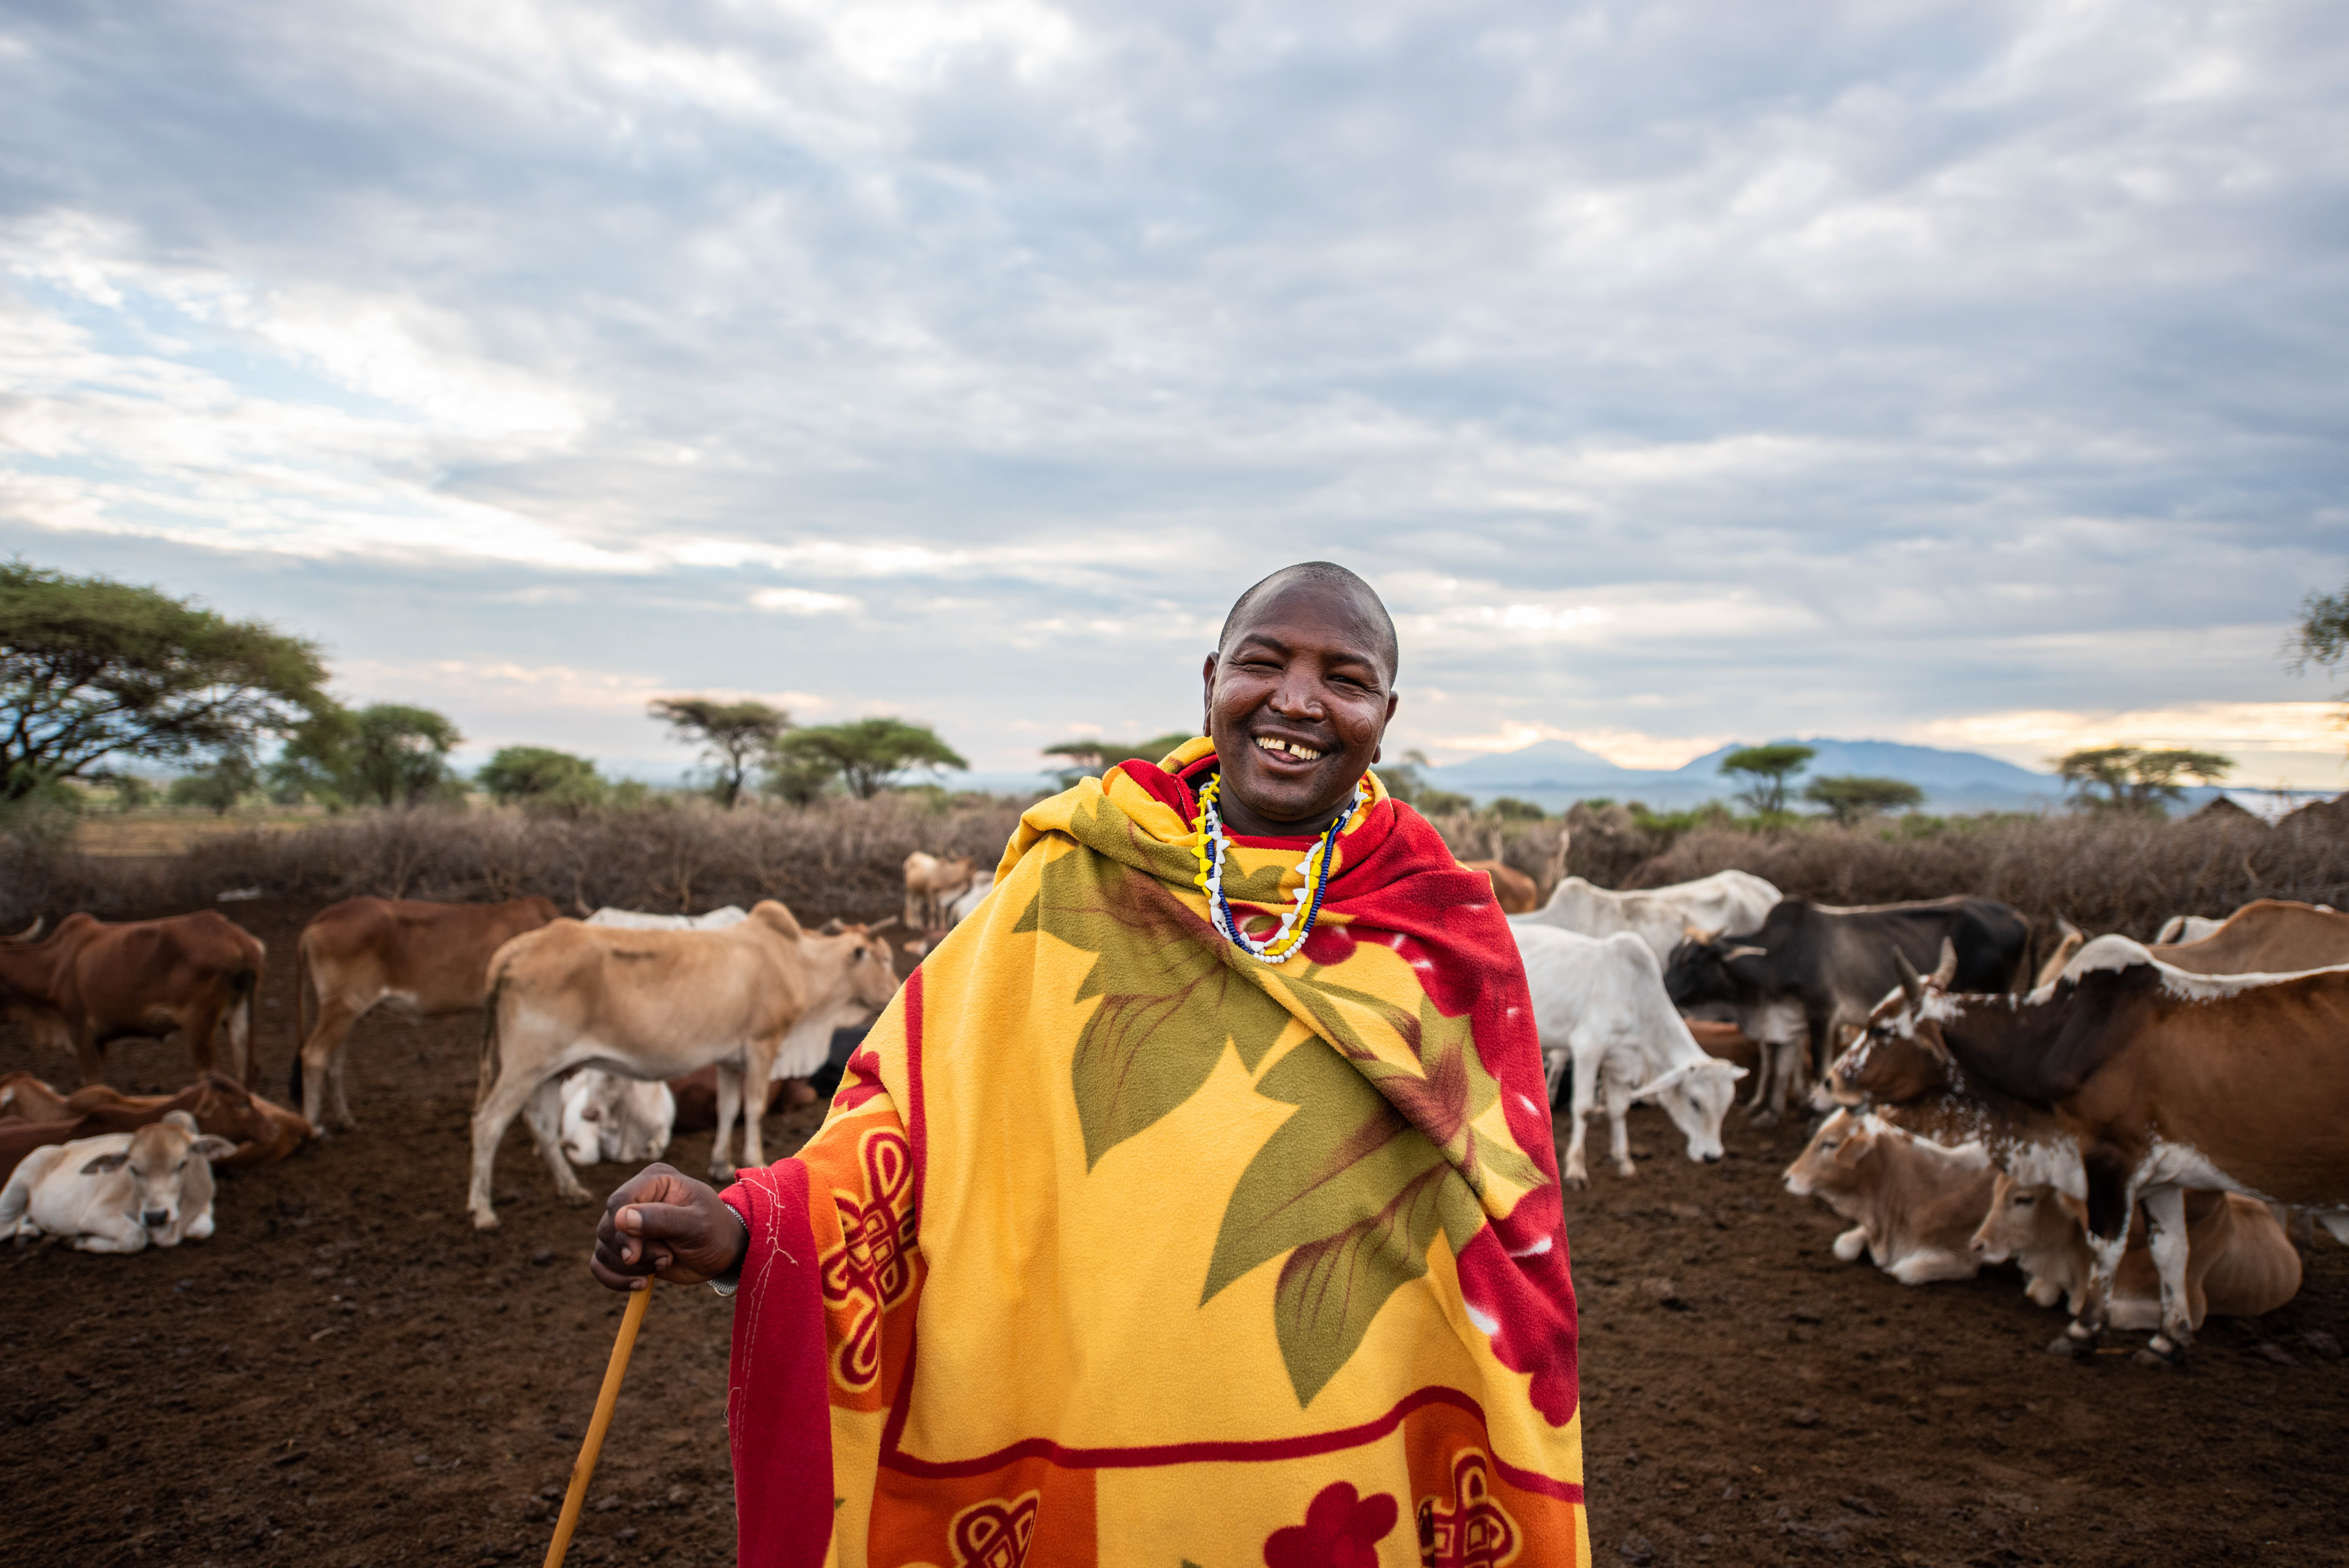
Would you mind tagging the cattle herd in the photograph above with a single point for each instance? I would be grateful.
(2103, 1114)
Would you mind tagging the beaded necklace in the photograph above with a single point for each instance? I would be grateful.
(1293, 930)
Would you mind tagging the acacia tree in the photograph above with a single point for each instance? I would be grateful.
(1848, 797)
(867, 755)
(732, 735)
(2321, 638)
(543, 779)
(1767, 772)
(1096, 757)
(228, 779)
(2134, 780)
(95, 674)
(387, 753)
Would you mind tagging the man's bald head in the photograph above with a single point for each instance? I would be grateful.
(1323, 577)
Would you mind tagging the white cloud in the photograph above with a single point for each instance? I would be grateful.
(802, 601)
(1731, 373)
(2298, 742)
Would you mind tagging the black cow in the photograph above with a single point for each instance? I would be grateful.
(1812, 970)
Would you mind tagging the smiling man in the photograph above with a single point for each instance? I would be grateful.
(1193, 1202)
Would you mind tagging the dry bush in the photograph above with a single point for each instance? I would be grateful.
(1527, 847)
(2103, 874)
(844, 858)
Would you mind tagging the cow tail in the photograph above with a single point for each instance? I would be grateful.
(490, 1065)
(243, 986)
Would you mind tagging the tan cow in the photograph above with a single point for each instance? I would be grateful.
(93, 981)
(932, 885)
(424, 959)
(655, 1004)
(2239, 1262)
(2268, 935)
(122, 1192)
(1916, 1205)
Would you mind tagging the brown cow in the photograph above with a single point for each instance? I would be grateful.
(94, 981)
(33, 1115)
(2268, 936)
(2239, 1262)
(424, 959)
(2156, 1082)
(1512, 888)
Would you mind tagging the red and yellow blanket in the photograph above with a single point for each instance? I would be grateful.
(1120, 1247)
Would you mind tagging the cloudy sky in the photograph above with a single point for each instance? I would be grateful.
(1966, 373)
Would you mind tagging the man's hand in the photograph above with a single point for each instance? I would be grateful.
(665, 1223)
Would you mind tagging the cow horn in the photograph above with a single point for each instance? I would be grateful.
(1947, 970)
(1910, 986)
(1699, 935)
(30, 932)
(1677, 1074)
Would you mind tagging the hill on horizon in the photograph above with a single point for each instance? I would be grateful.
(1555, 773)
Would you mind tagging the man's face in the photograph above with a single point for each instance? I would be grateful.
(1296, 703)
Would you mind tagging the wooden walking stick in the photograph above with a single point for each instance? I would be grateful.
(585, 1471)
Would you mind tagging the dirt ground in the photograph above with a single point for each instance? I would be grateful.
(349, 1374)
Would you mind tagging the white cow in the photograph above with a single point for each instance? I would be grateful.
(608, 1117)
(637, 920)
(1599, 1002)
(120, 1192)
(966, 903)
(1660, 917)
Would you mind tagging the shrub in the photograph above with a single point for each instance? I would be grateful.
(2113, 873)
(843, 859)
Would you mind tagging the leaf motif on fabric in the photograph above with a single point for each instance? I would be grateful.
(1334, 1163)
(1440, 1087)
(1168, 1003)
(1329, 1289)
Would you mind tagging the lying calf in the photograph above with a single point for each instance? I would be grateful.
(2239, 1262)
(606, 1117)
(120, 1192)
(1915, 1204)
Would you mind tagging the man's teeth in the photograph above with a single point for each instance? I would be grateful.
(1273, 744)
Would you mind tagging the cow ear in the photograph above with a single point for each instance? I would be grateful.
(106, 1162)
(1854, 1149)
(1947, 970)
(1910, 986)
(212, 1147)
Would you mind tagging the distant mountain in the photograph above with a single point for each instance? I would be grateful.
(1555, 762)
(1555, 773)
